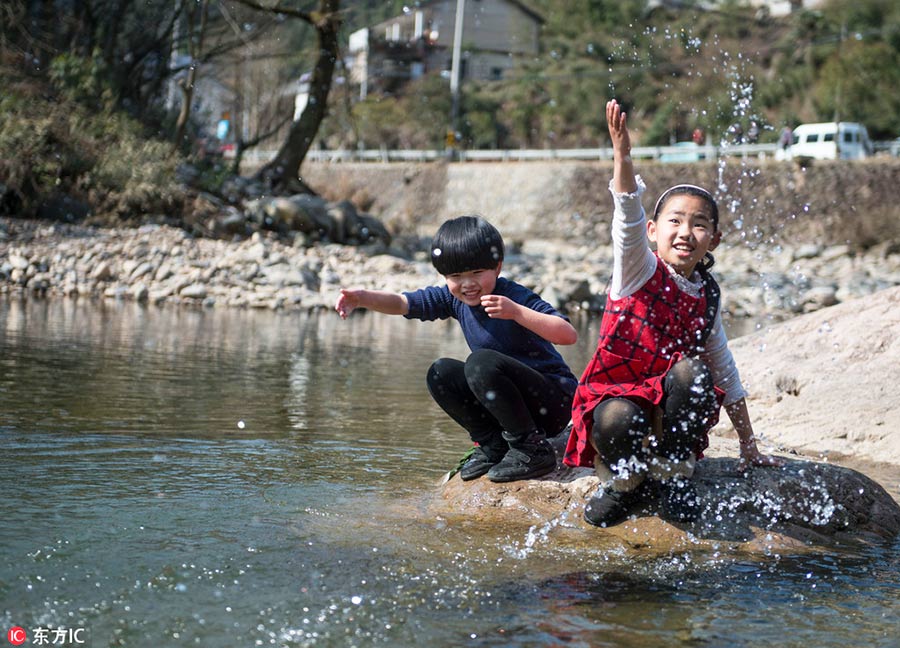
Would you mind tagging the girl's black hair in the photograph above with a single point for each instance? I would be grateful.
(466, 243)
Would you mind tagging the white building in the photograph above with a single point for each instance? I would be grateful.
(497, 34)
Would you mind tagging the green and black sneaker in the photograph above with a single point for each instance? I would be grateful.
(480, 459)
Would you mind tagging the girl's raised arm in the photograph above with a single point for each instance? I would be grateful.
(623, 168)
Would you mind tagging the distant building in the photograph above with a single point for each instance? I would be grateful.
(497, 35)
(780, 8)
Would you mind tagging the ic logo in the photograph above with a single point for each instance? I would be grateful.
(16, 636)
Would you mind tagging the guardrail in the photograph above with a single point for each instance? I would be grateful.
(683, 152)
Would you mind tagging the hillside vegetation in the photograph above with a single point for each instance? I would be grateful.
(87, 132)
(674, 69)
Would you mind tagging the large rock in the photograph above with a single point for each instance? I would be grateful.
(354, 228)
(763, 510)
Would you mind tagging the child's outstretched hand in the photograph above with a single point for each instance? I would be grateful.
(346, 302)
(499, 307)
(617, 122)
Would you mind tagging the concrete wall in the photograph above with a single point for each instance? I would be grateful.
(762, 201)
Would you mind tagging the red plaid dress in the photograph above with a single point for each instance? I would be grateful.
(641, 337)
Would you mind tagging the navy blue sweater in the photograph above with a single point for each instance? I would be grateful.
(483, 332)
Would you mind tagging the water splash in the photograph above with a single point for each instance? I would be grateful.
(539, 534)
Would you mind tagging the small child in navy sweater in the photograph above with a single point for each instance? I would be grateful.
(514, 390)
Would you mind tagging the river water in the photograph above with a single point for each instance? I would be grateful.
(175, 477)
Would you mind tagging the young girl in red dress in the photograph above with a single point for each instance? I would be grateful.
(662, 367)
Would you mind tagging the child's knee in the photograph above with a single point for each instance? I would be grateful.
(687, 373)
(483, 358)
(442, 372)
(619, 429)
(481, 365)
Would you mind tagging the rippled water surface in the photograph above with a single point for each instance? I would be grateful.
(234, 478)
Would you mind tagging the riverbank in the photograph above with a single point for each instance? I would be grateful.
(160, 264)
(820, 384)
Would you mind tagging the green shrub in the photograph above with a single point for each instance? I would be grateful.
(52, 143)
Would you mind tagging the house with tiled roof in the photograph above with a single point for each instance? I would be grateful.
(497, 36)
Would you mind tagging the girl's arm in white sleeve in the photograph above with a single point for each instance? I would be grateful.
(720, 361)
(725, 375)
(633, 261)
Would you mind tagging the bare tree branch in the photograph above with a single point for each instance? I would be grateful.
(279, 9)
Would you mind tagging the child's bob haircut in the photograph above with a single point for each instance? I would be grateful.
(466, 243)
(688, 190)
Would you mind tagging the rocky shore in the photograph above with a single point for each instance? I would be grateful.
(161, 264)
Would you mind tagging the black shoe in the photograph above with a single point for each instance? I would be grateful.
(679, 500)
(526, 459)
(609, 507)
(482, 459)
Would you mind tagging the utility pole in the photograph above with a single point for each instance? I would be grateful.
(838, 92)
(454, 68)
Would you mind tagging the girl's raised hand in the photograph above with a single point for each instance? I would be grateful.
(617, 122)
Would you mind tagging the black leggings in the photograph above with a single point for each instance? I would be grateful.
(689, 401)
(491, 392)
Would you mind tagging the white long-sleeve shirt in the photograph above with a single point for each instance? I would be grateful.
(633, 265)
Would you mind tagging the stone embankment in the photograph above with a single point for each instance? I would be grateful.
(160, 264)
(763, 203)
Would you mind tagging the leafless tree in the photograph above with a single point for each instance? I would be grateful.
(282, 173)
(196, 33)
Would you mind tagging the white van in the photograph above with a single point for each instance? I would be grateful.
(831, 141)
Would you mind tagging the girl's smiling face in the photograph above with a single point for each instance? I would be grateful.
(684, 232)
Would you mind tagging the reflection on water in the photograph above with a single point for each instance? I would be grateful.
(238, 478)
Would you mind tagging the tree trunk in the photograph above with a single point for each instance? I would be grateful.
(195, 49)
(283, 172)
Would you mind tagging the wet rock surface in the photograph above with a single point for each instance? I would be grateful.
(793, 508)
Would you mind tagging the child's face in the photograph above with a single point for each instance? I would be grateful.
(469, 286)
(684, 232)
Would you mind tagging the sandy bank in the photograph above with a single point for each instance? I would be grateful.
(824, 382)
